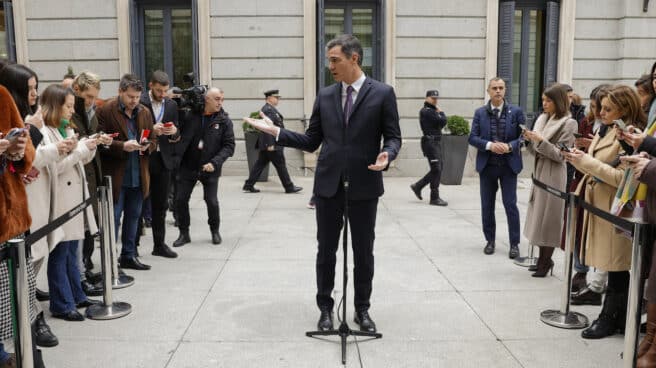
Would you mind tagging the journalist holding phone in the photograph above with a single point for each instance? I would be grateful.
(553, 131)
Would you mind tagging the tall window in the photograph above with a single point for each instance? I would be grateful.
(360, 18)
(8, 47)
(528, 46)
(165, 38)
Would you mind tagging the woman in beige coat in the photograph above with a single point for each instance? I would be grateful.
(602, 247)
(554, 127)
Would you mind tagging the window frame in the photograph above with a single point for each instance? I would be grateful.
(378, 8)
(10, 35)
(137, 26)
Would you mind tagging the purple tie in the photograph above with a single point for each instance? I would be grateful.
(348, 104)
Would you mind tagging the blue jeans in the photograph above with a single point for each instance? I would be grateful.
(64, 278)
(129, 203)
(4, 356)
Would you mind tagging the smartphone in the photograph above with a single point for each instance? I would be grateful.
(168, 125)
(113, 135)
(619, 123)
(578, 135)
(14, 134)
(523, 127)
(563, 147)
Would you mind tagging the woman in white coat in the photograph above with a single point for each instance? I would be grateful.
(66, 294)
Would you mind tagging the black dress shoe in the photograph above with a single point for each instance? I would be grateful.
(416, 191)
(133, 263)
(438, 202)
(489, 248)
(163, 250)
(182, 239)
(87, 303)
(93, 277)
(43, 335)
(42, 296)
(250, 189)
(69, 316)
(579, 282)
(364, 320)
(293, 189)
(325, 321)
(91, 289)
(216, 237)
(148, 222)
(514, 251)
(88, 264)
(585, 296)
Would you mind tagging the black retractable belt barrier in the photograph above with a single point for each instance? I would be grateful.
(59, 221)
(563, 317)
(638, 232)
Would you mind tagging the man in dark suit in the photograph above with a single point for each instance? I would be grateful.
(165, 158)
(269, 151)
(349, 119)
(496, 133)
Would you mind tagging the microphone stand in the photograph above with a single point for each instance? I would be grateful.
(344, 331)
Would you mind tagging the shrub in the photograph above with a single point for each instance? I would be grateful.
(249, 128)
(457, 125)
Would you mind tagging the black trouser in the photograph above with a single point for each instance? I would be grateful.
(362, 222)
(186, 183)
(432, 177)
(277, 158)
(159, 188)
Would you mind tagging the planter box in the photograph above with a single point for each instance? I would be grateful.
(454, 155)
(251, 155)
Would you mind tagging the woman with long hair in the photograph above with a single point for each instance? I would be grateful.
(553, 128)
(602, 246)
(66, 294)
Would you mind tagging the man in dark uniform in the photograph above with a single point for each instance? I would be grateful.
(432, 120)
(269, 151)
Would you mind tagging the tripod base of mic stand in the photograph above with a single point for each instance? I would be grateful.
(105, 312)
(344, 331)
(570, 320)
(525, 261)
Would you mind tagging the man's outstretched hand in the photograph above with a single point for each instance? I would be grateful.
(381, 162)
(264, 125)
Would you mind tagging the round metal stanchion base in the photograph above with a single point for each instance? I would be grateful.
(525, 261)
(571, 320)
(105, 312)
(122, 281)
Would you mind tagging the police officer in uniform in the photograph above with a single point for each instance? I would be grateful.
(432, 120)
(269, 151)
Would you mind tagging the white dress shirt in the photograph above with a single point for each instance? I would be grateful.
(356, 88)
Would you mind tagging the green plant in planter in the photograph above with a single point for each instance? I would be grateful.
(457, 125)
(249, 128)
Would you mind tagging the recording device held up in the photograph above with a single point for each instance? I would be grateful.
(192, 98)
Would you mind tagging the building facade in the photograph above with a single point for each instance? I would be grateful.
(247, 47)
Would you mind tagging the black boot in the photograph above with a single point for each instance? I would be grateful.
(216, 237)
(182, 239)
(435, 199)
(43, 336)
(612, 318)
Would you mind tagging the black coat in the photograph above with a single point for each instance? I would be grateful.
(264, 141)
(85, 127)
(432, 122)
(374, 117)
(218, 143)
(168, 156)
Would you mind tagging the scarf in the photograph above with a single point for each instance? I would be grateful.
(62, 127)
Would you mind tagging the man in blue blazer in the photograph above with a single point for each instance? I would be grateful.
(349, 119)
(497, 136)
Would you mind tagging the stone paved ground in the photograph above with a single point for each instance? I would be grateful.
(438, 300)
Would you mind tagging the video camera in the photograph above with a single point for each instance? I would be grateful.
(192, 98)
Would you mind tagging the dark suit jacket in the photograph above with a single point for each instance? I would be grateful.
(481, 135)
(265, 140)
(168, 156)
(114, 159)
(374, 117)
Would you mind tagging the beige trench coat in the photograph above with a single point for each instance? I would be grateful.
(71, 187)
(602, 248)
(544, 217)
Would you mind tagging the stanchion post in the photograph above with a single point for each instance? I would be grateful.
(564, 318)
(526, 261)
(633, 308)
(119, 280)
(109, 309)
(23, 288)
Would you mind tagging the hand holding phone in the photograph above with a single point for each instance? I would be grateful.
(168, 125)
(563, 147)
(523, 127)
(14, 134)
(619, 123)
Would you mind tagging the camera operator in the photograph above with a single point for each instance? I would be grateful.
(207, 142)
(164, 112)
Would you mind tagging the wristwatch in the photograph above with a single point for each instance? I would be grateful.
(509, 148)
